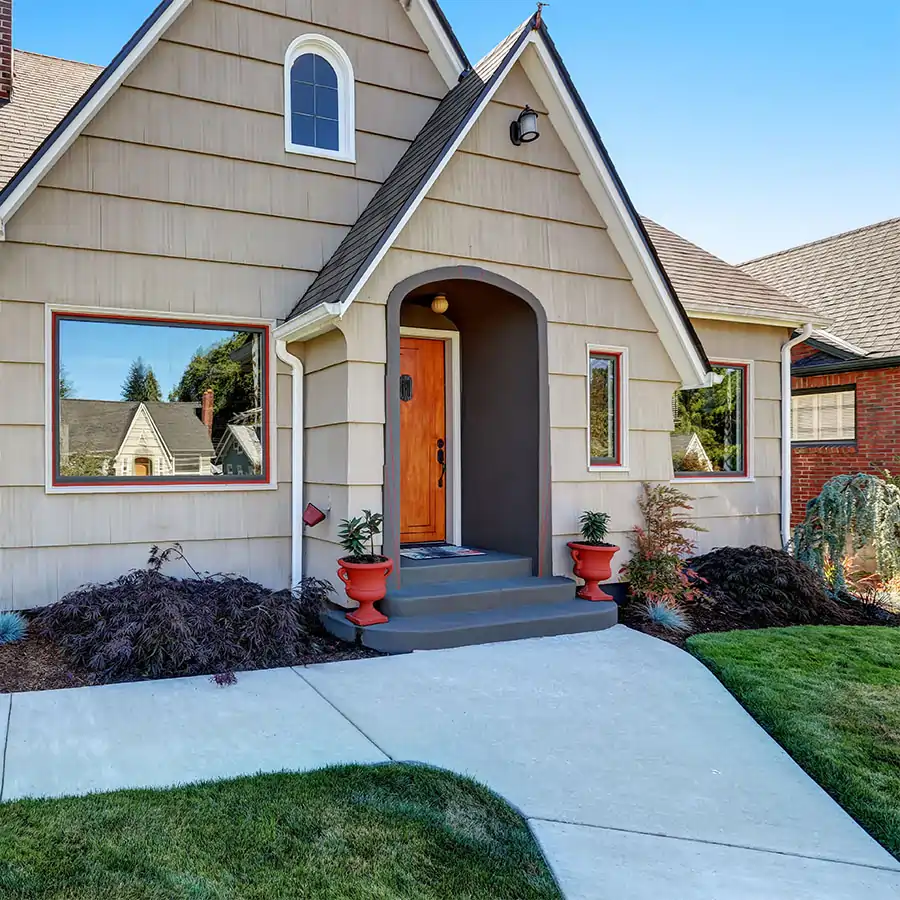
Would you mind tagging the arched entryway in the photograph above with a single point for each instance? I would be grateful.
(468, 390)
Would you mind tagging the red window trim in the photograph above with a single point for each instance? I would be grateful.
(617, 413)
(159, 481)
(745, 427)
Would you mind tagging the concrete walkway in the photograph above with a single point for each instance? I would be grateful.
(640, 775)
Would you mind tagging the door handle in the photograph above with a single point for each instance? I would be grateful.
(442, 461)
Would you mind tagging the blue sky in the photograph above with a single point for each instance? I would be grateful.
(97, 355)
(747, 126)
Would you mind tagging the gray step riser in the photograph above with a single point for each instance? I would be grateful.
(476, 600)
(471, 570)
(597, 617)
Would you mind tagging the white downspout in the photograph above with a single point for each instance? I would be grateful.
(297, 423)
(786, 348)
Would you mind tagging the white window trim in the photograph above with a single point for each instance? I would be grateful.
(749, 432)
(623, 411)
(207, 487)
(340, 62)
(453, 414)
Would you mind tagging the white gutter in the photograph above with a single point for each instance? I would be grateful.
(786, 348)
(297, 423)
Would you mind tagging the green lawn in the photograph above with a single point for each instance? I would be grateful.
(395, 831)
(831, 697)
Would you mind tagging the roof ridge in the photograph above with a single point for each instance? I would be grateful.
(823, 240)
(65, 59)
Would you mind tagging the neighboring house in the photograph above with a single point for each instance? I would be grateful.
(120, 438)
(688, 453)
(240, 450)
(846, 380)
(346, 183)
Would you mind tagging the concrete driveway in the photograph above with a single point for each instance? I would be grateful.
(640, 775)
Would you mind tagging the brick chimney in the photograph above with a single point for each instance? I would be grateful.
(206, 408)
(6, 59)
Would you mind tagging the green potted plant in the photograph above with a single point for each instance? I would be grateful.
(364, 572)
(593, 556)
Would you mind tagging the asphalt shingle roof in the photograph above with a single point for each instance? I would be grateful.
(706, 284)
(44, 90)
(100, 426)
(853, 279)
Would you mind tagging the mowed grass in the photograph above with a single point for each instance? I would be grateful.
(831, 697)
(394, 831)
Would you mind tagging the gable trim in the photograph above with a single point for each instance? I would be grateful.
(444, 47)
(79, 117)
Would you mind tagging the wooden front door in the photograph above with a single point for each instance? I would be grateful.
(423, 441)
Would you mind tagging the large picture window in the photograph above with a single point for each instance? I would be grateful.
(156, 402)
(824, 417)
(605, 407)
(710, 437)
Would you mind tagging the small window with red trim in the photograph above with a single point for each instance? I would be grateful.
(158, 401)
(710, 437)
(605, 413)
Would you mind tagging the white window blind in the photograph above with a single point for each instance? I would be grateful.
(827, 416)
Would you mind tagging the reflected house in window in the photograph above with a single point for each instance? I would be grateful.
(689, 454)
(128, 439)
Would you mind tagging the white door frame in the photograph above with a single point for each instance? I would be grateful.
(453, 412)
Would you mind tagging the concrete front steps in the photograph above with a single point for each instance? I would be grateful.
(457, 602)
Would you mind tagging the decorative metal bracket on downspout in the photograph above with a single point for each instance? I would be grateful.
(786, 348)
(297, 474)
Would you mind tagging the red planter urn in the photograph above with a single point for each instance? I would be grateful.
(367, 584)
(593, 564)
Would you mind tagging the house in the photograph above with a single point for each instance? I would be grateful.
(846, 379)
(240, 450)
(122, 439)
(688, 452)
(461, 320)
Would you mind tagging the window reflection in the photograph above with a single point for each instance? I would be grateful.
(156, 400)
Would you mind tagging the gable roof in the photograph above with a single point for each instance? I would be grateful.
(852, 278)
(62, 118)
(350, 267)
(709, 286)
(343, 274)
(100, 426)
(44, 90)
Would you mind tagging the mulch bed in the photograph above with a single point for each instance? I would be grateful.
(38, 664)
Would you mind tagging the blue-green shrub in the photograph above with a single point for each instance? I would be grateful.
(13, 627)
(666, 616)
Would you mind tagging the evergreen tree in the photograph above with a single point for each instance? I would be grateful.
(152, 390)
(66, 388)
(140, 383)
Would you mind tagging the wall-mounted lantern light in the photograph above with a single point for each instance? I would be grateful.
(524, 130)
(440, 304)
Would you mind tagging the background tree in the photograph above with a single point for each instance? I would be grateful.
(234, 383)
(140, 383)
(66, 388)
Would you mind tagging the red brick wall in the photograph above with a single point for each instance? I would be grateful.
(5, 50)
(877, 434)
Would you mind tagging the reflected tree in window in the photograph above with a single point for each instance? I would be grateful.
(603, 396)
(709, 426)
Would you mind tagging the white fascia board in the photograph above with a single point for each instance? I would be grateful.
(309, 324)
(762, 318)
(624, 234)
(65, 140)
(440, 48)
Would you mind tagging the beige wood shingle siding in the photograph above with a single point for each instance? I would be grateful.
(523, 213)
(180, 198)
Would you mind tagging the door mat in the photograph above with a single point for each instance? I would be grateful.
(439, 552)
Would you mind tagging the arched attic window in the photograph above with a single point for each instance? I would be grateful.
(319, 99)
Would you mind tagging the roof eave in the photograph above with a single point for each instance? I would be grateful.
(777, 320)
(444, 48)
